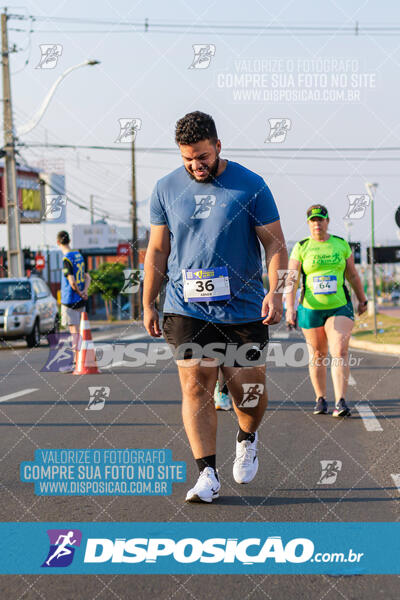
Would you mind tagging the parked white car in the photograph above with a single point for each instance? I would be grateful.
(27, 309)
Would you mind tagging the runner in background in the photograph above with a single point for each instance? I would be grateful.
(222, 400)
(325, 312)
(74, 287)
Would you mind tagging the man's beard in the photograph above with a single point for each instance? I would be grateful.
(212, 172)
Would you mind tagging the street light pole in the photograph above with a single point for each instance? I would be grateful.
(14, 254)
(371, 190)
(135, 301)
(348, 225)
(91, 207)
(12, 210)
(39, 114)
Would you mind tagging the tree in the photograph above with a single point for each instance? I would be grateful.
(107, 280)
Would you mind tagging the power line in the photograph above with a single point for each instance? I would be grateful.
(249, 152)
(232, 149)
(159, 26)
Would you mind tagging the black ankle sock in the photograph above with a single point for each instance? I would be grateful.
(243, 435)
(206, 461)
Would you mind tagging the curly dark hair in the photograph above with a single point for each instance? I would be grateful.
(195, 127)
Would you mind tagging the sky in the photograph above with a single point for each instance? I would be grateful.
(329, 90)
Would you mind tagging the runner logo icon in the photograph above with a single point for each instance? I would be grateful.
(329, 471)
(357, 206)
(278, 129)
(50, 54)
(61, 355)
(62, 547)
(128, 130)
(202, 56)
(55, 207)
(252, 393)
(98, 397)
(287, 279)
(204, 203)
(132, 277)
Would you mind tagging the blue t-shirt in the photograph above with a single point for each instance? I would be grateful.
(76, 267)
(213, 225)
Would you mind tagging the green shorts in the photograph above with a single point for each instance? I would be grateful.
(309, 318)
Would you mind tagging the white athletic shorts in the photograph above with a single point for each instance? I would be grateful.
(71, 316)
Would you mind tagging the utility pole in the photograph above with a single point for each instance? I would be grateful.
(14, 254)
(371, 194)
(91, 209)
(135, 301)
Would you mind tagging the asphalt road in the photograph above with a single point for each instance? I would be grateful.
(143, 411)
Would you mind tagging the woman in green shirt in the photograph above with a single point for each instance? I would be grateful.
(325, 312)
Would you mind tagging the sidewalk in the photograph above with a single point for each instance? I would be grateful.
(374, 347)
(388, 339)
(103, 325)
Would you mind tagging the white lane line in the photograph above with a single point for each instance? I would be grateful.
(370, 421)
(352, 381)
(98, 337)
(124, 363)
(17, 394)
(396, 479)
(284, 335)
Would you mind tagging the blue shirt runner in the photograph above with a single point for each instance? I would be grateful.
(212, 225)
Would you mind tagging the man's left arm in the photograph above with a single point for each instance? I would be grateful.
(276, 256)
(88, 279)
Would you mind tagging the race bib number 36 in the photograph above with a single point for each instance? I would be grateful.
(325, 284)
(206, 285)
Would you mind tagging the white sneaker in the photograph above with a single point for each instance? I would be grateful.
(206, 488)
(245, 465)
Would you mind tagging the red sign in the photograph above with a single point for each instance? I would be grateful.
(123, 249)
(40, 262)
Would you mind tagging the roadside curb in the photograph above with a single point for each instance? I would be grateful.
(373, 347)
(112, 325)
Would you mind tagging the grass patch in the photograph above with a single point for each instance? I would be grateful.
(363, 329)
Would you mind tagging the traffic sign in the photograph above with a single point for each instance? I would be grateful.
(40, 262)
(123, 249)
(384, 254)
(356, 249)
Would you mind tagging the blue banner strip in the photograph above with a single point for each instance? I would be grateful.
(200, 547)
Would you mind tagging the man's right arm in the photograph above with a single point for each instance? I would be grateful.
(155, 267)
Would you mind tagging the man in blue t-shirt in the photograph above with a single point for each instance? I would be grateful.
(208, 218)
(74, 287)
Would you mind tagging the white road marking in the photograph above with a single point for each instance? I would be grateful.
(124, 363)
(396, 479)
(284, 335)
(17, 394)
(370, 421)
(352, 381)
(97, 337)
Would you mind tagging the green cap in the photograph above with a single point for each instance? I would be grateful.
(317, 211)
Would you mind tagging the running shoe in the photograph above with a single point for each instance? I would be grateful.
(206, 488)
(245, 465)
(222, 401)
(341, 409)
(321, 406)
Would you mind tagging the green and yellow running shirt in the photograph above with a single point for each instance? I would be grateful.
(322, 268)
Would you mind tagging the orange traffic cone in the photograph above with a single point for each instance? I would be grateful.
(86, 361)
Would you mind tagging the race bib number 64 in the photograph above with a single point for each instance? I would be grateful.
(325, 284)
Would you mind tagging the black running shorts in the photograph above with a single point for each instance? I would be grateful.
(233, 345)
